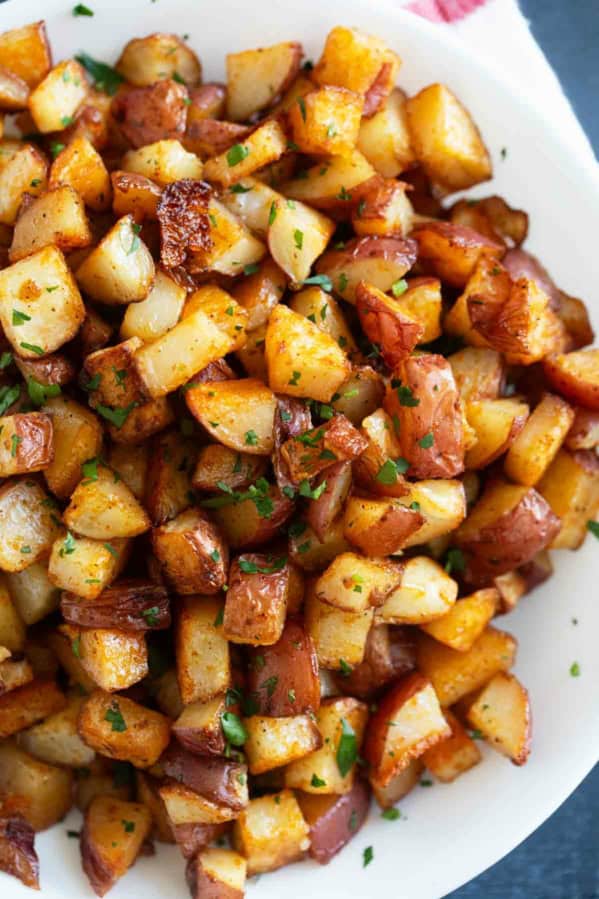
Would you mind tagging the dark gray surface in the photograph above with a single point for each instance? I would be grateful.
(560, 860)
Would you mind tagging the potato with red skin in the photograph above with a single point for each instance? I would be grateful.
(584, 433)
(190, 838)
(289, 669)
(316, 450)
(322, 512)
(143, 735)
(244, 527)
(216, 874)
(256, 78)
(334, 820)
(426, 402)
(24, 706)
(149, 114)
(17, 853)
(292, 418)
(182, 214)
(508, 525)
(522, 264)
(379, 526)
(575, 376)
(493, 218)
(452, 251)
(134, 195)
(390, 653)
(26, 443)
(256, 601)
(380, 261)
(385, 324)
(112, 837)
(210, 137)
(220, 464)
(407, 722)
(220, 781)
(207, 101)
(198, 727)
(192, 552)
(131, 605)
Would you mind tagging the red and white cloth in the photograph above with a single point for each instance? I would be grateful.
(499, 34)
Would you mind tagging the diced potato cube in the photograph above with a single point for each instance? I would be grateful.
(326, 121)
(22, 172)
(120, 269)
(42, 793)
(240, 414)
(33, 593)
(466, 621)
(192, 553)
(12, 630)
(454, 755)
(40, 304)
(26, 52)
(203, 663)
(256, 603)
(54, 218)
(218, 871)
(103, 507)
(501, 712)
(77, 437)
(81, 167)
(332, 768)
(28, 704)
(112, 837)
(297, 235)
(155, 57)
(384, 138)
(198, 727)
(271, 832)
(264, 145)
(158, 313)
(27, 522)
(355, 584)
(85, 566)
(534, 448)
(164, 162)
(273, 742)
(339, 636)
(122, 729)
(255, 78)
(57, 98)
(26, 443)
(114, 659)
(56, 740)
(425, 593)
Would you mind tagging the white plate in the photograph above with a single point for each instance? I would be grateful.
(448, 834)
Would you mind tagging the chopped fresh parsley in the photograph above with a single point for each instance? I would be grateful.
(251, 438)
(398, 287)
(105, 78)
(593, 527)
(19, 318)
(115, 416)
(318, 281)
(298, 238)
(311, 493)
(317, 781)
(82, 10)
(427, 441)
(454, 560)
(574, 669)
(33, 348)
(367, 856)
(151, 616)
(294, 380)
(347, 750)
(8, 396)
(90, 469)
(39, 393)
(236, 154)
(115, 718)
(69, 545)
(233, 729)
(391, 814)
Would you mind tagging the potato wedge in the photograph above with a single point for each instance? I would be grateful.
(478, 372)
(255, 78)
(537, 444)
(380, 526)
(570, 487)
(120, 269)
(198, 726)
(501, 712)
(497, 425)
(54, 218)
(337, 186)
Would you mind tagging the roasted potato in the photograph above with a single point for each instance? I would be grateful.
(112, 837)
(122, 729)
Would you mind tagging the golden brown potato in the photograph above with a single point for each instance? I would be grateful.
(134, 195)
(297, 235)
(26, 52)
(14, 673)
(207, 102)
(112, 837)
(256, 78)
(407, 722)
(55, 740)
(113, 370)
(149, 114)
(23, 172)
(327, 314)
(240, 414)
(17, 854)
(455, 674)
(103, 507)
(253, 829)
(28, 704)
(386, 325)
(221, 783)
(452, 251)
(192, 553)
(379, 261)
(575, 376)
(315, 450)
(326, 121)
(164, 162)
(584, 431)
(168, 483)
(373, 71)
(141, 422)
(12, 629)
(379, 526)
(332, 768)
(501, 713)
(492, 217)
(149, 59)
(466, 620)
(424, 397)
(478, 372)
(384, 211)
(256, 602)
(85, 566)
(77, 437)
(399, 786)
(81, 167)
(497, 425)
(113, 658)
(120, 728)
(339, 636)
(274, 742)
(248, 523)
(40, 793)
(260, 291)
(389, 653)
(508, 525)
(120, 269)
(27, 522)
(198, 727)
(55, 100)
(264, 145)
(571, 487)
(33, 594)
(334, 820)
(384, 138)
(219, 464)
(535, 447)
(336, 186)
(202, 651)
(220, 872)
(445, 139)
(425, 592)
(453, 756)
(355, 584)
(49, 309)
(26, 443)
(56, 218)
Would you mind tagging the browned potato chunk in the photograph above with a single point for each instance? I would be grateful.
(384, 211)
(217, 872)
(318, 449)
(256, 602)
(114, 659)
(332, 768)
(501, 712)
(122, 729)
(576, 376)
(146, 115)
(21, 708)
(478, 373)
(255, 78)
(41, 793)
(168, 483)
(424, 592)
(571, 487)
(453, 756)
(399, 786)
(297, 235)
(198, 727)
(283, 678)
(149, 59)
(273, 742)
(203, 665)
(373, 69)
(26, 52)
(537, 444)
(192, 553)
(265, 144)
(54, 218)
(384, 138)
(56, 740)
(120, 269)
(354, 584)
(112, 837)
(85, 566)
(40, 304)
(103, 507)
(386, 325)
(446, 141)
(466, 621)
(217, 463)
(158, 313)
(27, 524)
(54, 102)
(240, 414)
(508, 525)
(23, 172)
(336, 187)
(17, 854)
(455, 674)
(164, 162)
(584, 432)
(334, 820)
(32, 592)
(380, 527)
(112, 369)
(12, 629)
(134, 195)
(441, 504)
(220, 786)
(407, 722)
(497, 425)
(26, 443)
(390, 653)
(253, 521)
(81, 167)
(379, 261)
(253, 833)
(339, 636)
(326, 121)
(453, 251)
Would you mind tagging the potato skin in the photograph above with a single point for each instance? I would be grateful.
(334, 820)
(390, 653)
(149, 114)
(437, 412)
(217, 780)
(131, 605)
(256, 601)
(17, 854)
(291, 665)
(192, 552)
(510, 538)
